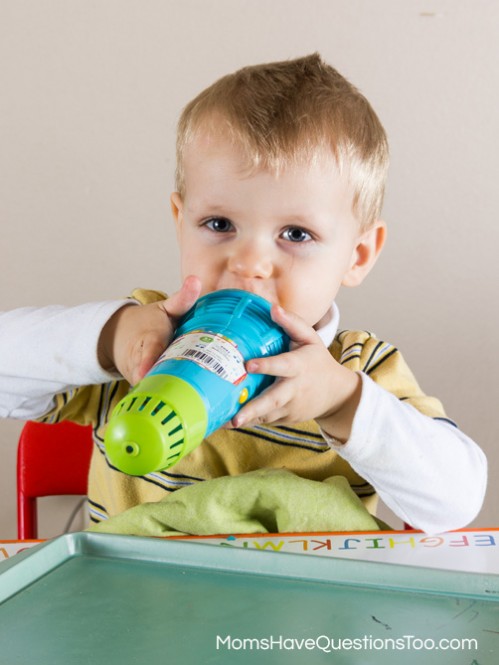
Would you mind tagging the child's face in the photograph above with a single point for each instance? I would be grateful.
(292, 239)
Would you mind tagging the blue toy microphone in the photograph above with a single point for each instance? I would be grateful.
(198, 383)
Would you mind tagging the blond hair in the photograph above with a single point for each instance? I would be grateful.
(289, 112)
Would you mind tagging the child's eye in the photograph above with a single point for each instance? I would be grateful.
(296, 234)
(219, 224)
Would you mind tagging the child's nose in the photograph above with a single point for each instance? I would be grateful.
(250, 261)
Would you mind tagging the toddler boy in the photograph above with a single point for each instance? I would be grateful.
(279, 187)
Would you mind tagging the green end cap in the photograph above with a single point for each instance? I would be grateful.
(163, 419)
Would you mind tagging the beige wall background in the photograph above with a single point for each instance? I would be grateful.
(89, 96)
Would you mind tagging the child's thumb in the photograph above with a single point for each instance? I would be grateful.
(181, 301)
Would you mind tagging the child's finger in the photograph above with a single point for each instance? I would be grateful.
(155, 328)
(151, 349)
(266, 408)
(298, 330)
(283, 365)
(181, 301)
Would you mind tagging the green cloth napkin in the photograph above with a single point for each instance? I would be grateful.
(262, 501)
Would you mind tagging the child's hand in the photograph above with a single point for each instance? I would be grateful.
(136, 335)
(310, 384)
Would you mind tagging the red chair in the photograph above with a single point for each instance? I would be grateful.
(52, 460)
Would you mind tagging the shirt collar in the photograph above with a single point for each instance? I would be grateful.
(329, 328)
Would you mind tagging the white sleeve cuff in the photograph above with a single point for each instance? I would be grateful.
(427, 471)
(47, 350)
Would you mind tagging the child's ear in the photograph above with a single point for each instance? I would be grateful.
(368, 247)
(177, 206)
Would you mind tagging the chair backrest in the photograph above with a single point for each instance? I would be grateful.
(52, 460)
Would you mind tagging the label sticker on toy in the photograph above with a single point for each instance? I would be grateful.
(213, 352)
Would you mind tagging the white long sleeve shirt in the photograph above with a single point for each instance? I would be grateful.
(425, 469)
(47, 350)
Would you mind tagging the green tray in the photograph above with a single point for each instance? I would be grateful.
(91, 599)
